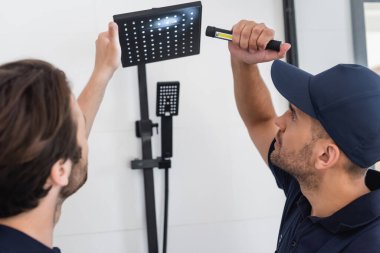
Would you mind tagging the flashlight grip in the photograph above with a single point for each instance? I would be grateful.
(219, 33)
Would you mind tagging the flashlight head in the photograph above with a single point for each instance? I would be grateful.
(210, 31)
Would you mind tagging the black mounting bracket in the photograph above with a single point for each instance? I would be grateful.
(160, 163)
(144, 128)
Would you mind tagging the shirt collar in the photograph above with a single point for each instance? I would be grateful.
(18, 241)
(360, 212)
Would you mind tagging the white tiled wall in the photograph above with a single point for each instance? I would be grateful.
(222, 198)
(255, 235)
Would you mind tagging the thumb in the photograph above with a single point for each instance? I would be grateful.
(113, 31)
(283, 49)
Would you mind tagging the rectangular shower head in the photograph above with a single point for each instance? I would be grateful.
(160, 33)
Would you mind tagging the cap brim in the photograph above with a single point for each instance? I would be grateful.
(293, 84)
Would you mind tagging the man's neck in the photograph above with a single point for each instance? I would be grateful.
(37, 223)
(331, 196)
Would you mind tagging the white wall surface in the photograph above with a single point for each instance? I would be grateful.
(324, 34)
(222, 197)
(372, 21)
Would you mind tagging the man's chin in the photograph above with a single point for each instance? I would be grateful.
(275, 157)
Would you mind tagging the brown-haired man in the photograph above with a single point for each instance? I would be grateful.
(43, 140)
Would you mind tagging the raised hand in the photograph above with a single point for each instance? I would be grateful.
(108, 52)
(249, 42)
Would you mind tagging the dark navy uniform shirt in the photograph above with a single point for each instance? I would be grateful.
(353, 229)
(14, 241)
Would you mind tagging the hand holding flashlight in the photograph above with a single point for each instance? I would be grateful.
(223, 34)
(251, 42)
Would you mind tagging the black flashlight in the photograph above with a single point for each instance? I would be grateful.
(223, 34)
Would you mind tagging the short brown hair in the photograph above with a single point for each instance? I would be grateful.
(36, 131)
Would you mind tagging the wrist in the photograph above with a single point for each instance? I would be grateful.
(241, 65)
(102, 75)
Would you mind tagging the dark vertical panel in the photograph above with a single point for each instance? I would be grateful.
(290, 31)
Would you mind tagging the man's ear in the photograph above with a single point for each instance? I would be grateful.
(328, 155)
(60, 173)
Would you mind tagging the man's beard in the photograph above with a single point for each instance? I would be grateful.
(298, 164)
(77, 179)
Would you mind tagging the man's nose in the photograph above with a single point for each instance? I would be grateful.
(280, 122)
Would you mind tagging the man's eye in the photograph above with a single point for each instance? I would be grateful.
(293, 115)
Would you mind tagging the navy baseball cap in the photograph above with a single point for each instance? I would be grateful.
(345, 99)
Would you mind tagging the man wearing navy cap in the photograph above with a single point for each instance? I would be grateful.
(319, 150)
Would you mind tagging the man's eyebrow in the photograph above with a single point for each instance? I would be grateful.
(292, 108)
